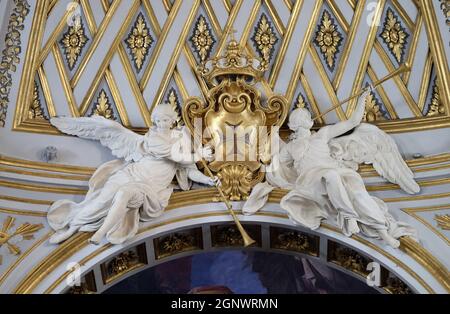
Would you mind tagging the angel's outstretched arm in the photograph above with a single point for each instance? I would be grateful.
(343, 127)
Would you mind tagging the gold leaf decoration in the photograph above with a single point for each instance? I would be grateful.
(202, 40)
(139, 42)
(300, 102)
(103, 107)
(73, 42)
(26, 230)
(236, 181)
(328, 39)
(173, 100)
(394, 35)
(443, 221)
(445, 7)
(10, 54)
(436, 108)
(35, 111)
(264, 40)
(373, 111)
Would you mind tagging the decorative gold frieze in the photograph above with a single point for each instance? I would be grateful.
(373, 111)
(178, 242)
(394, 35)
(139, 42)
(10, 55)
(443, 221)
(25, 230)
(292, 240)
(328, 39)
(124, 263)
(103, 107)
(35, 111)
(73, 42)
(395, 286)
(347, 258)
(264, 40)
(229, 236)
(436, 108)
(202, 39)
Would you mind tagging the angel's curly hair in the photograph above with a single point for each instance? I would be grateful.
(164, 109)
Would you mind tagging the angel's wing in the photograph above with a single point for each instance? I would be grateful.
(122, 142)
(368, 144)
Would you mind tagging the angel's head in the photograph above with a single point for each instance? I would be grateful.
(300, 120)
(164, 116)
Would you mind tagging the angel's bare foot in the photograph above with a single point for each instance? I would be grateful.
(353, 226)
(62, 236)
(96, 238)
(389, 239)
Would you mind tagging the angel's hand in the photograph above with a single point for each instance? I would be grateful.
(207, 153)
(214, 182)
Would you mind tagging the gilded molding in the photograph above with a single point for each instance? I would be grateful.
(11, 54)
(443, 221)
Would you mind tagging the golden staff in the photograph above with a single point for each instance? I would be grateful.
(247, 239)
(403, 68)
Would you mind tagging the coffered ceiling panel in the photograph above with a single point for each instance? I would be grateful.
(120, 58)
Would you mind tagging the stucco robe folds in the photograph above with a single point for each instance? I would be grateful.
(147, 182)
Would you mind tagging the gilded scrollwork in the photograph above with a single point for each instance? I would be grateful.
(73, 42)
(347, 258)
(10, 55)
(443, 221)
(328, 39)
(103, 107)
(394, 35)
(235, 104)
(139, 42)
(445, 7)
(264, 40)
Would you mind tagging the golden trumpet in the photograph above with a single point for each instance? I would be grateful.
(248, 241)
(403, 68)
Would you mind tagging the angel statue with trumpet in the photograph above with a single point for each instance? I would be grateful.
(320, 170)
(134, 188)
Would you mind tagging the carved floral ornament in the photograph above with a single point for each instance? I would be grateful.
(103, 107)
(73, 42)
(10, 55)
(264, 40)
(328, 39)
(139, 42)
(202, 40)
(394, 35)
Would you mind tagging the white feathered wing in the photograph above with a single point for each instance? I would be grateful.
(368, 144)
(122, 142)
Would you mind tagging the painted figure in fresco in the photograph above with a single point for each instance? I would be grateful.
(135, 187)
(320, 170)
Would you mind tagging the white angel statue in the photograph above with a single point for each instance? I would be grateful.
(135, 187)
(320, 170)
